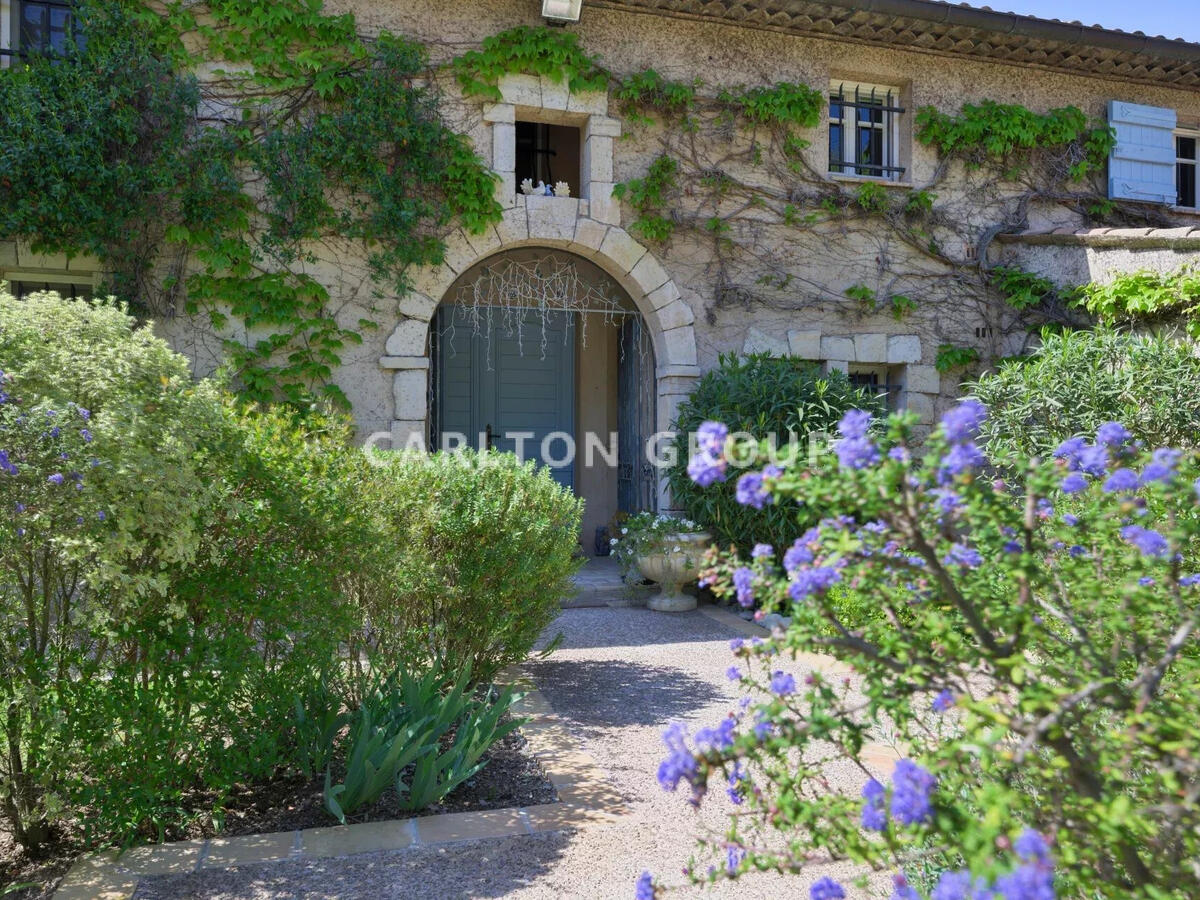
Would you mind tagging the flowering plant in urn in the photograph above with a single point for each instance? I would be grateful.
(665, 549)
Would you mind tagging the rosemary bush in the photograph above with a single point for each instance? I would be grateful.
(1036, 663)
(481, 549)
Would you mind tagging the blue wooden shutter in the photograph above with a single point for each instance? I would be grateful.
(1142, 165)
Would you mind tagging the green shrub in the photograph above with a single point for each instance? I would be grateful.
(1078, 380)
(171, 571)
(193, 593)
(103, 498)
(770, 398)
(255, 620)
(482, 549)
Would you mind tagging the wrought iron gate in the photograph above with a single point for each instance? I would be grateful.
(637, 410)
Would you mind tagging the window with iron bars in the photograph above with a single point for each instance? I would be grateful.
(22, 286)
(881, 380)
(38, 27)
(864, 130)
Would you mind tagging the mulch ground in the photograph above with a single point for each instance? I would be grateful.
(511, 778)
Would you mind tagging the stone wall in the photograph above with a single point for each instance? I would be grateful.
(675, 285)
(821, 323)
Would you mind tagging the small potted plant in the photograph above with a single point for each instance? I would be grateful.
(665, 549)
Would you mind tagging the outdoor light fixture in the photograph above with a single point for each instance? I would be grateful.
(561, 11)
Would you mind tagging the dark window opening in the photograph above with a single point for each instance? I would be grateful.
(548, 155)
(49, 28)
(1186, 161)
(882, 380)
(22, 289)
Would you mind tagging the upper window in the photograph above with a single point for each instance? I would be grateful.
(1186, 159)
(864, 134)
(42, 26)
(549, 155)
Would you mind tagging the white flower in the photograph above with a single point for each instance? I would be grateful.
(613, 542)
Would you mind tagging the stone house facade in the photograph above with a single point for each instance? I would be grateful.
(761, 284)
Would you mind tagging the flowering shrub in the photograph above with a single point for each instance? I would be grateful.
(168, 575)
(1035, 665)
(179, 574)
(773, 399)
(100, 499)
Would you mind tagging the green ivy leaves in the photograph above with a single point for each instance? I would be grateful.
(951, 357)
(1006, 134)
(322, 134)
(1146, 297)
(554, 53)
(786, 103)
(1022, 290)
(649, 195)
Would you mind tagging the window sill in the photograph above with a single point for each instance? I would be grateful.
(1186, 211)
(868, 179)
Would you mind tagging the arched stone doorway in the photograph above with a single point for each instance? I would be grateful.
(540, 353)
(548, 223)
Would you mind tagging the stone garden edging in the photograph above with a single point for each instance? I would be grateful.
(584, 797)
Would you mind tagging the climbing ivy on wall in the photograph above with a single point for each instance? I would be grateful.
(1013, 137)
(554, 53)
(1146, 299)
(214, 196)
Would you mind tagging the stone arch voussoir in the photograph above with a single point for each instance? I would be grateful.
(558, 223)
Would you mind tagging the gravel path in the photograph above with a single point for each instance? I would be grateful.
(619, 676)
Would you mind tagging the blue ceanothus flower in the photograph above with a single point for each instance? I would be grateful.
(743, 582)
(1148, 541)
(709, 464)
(751, 490)
(826, 889)
(912, 790)
(855, 450)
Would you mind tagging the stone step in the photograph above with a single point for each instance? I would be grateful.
(599, 583)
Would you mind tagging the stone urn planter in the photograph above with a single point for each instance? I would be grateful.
(673, 561)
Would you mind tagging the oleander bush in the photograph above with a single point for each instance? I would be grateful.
(1077, 380)
(773, 399)
(483, 550)
(1035, 664)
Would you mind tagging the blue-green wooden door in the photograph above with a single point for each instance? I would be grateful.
(492, 378)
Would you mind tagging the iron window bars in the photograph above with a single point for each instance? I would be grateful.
(886, 388)
(1187, 161)
(41, 27)
(23, 287)
(863, 131)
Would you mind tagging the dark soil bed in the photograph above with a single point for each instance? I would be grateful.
(511, 778)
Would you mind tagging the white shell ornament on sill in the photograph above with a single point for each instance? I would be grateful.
(527, 186)
(562, 189)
